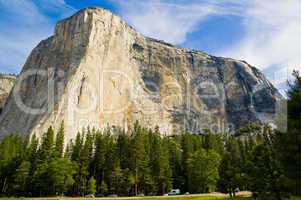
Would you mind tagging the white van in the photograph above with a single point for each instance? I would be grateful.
(174, 192)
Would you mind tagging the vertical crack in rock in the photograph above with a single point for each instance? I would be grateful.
(81, 89)
(149, 57)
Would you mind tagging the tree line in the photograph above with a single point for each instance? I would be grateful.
(143, 161)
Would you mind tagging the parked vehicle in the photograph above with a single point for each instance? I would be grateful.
(113, 195)
(89, 196)
(174, 192)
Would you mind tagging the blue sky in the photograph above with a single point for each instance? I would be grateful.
(266, 34)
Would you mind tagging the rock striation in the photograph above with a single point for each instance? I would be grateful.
(97, 71)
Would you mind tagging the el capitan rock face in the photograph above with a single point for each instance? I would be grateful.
(97, 71)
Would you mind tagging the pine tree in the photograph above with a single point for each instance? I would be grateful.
(46, 150)
(288, 144)
(92, 186)
(264, 173)
(77, 147)
(60, 175)
(164, 181)
(33, 160)
(229, 175)
(59, 142)
(75, 157)
(99, 159)
(104, 188)
(203, 171)
(154, 154)
(140, 161)
(187, 150)
(33, 149)
(21, 177)
(111, 167)
(231, 168)
(11, 154)
(85, 159)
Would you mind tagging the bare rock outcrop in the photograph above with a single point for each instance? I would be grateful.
(6, 84)
(98, 71)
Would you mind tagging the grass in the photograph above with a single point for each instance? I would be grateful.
(145, 198)
(138, 198)
(295, 198)
(194, 197)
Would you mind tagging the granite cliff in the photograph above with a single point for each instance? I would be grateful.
(6, 84)
(97, 71)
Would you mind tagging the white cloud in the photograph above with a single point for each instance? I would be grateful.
(58, 7)
(173, 20)
(273, 37)
(23, 25)
(165, 20)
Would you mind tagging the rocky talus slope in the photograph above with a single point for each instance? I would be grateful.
(98, 71)
(6, 84)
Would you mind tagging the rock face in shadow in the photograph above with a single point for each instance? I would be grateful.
(6, 84)
(98, 71)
